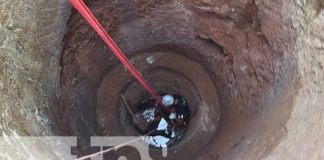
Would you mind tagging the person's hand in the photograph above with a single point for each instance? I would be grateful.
(172, 115)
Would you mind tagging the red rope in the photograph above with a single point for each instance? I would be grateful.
(81, 7)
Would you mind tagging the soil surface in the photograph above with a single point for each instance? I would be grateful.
(252, 70)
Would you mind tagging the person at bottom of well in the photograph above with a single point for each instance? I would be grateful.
(179, 109)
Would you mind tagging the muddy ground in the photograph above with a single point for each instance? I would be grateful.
(252, 71)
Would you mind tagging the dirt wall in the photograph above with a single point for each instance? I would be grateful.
(31, 47)
(260, 47)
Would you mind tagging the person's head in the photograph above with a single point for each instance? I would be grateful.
(168, 100)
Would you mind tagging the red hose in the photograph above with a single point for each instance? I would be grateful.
(81, 7)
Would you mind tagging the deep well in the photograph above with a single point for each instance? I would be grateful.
(252, 72)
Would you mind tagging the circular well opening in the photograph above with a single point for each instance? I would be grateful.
(177, 39)
(186, 78)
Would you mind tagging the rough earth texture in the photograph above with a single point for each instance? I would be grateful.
(246, 47)
(258, 43)
(304, 139)
(30, 49)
